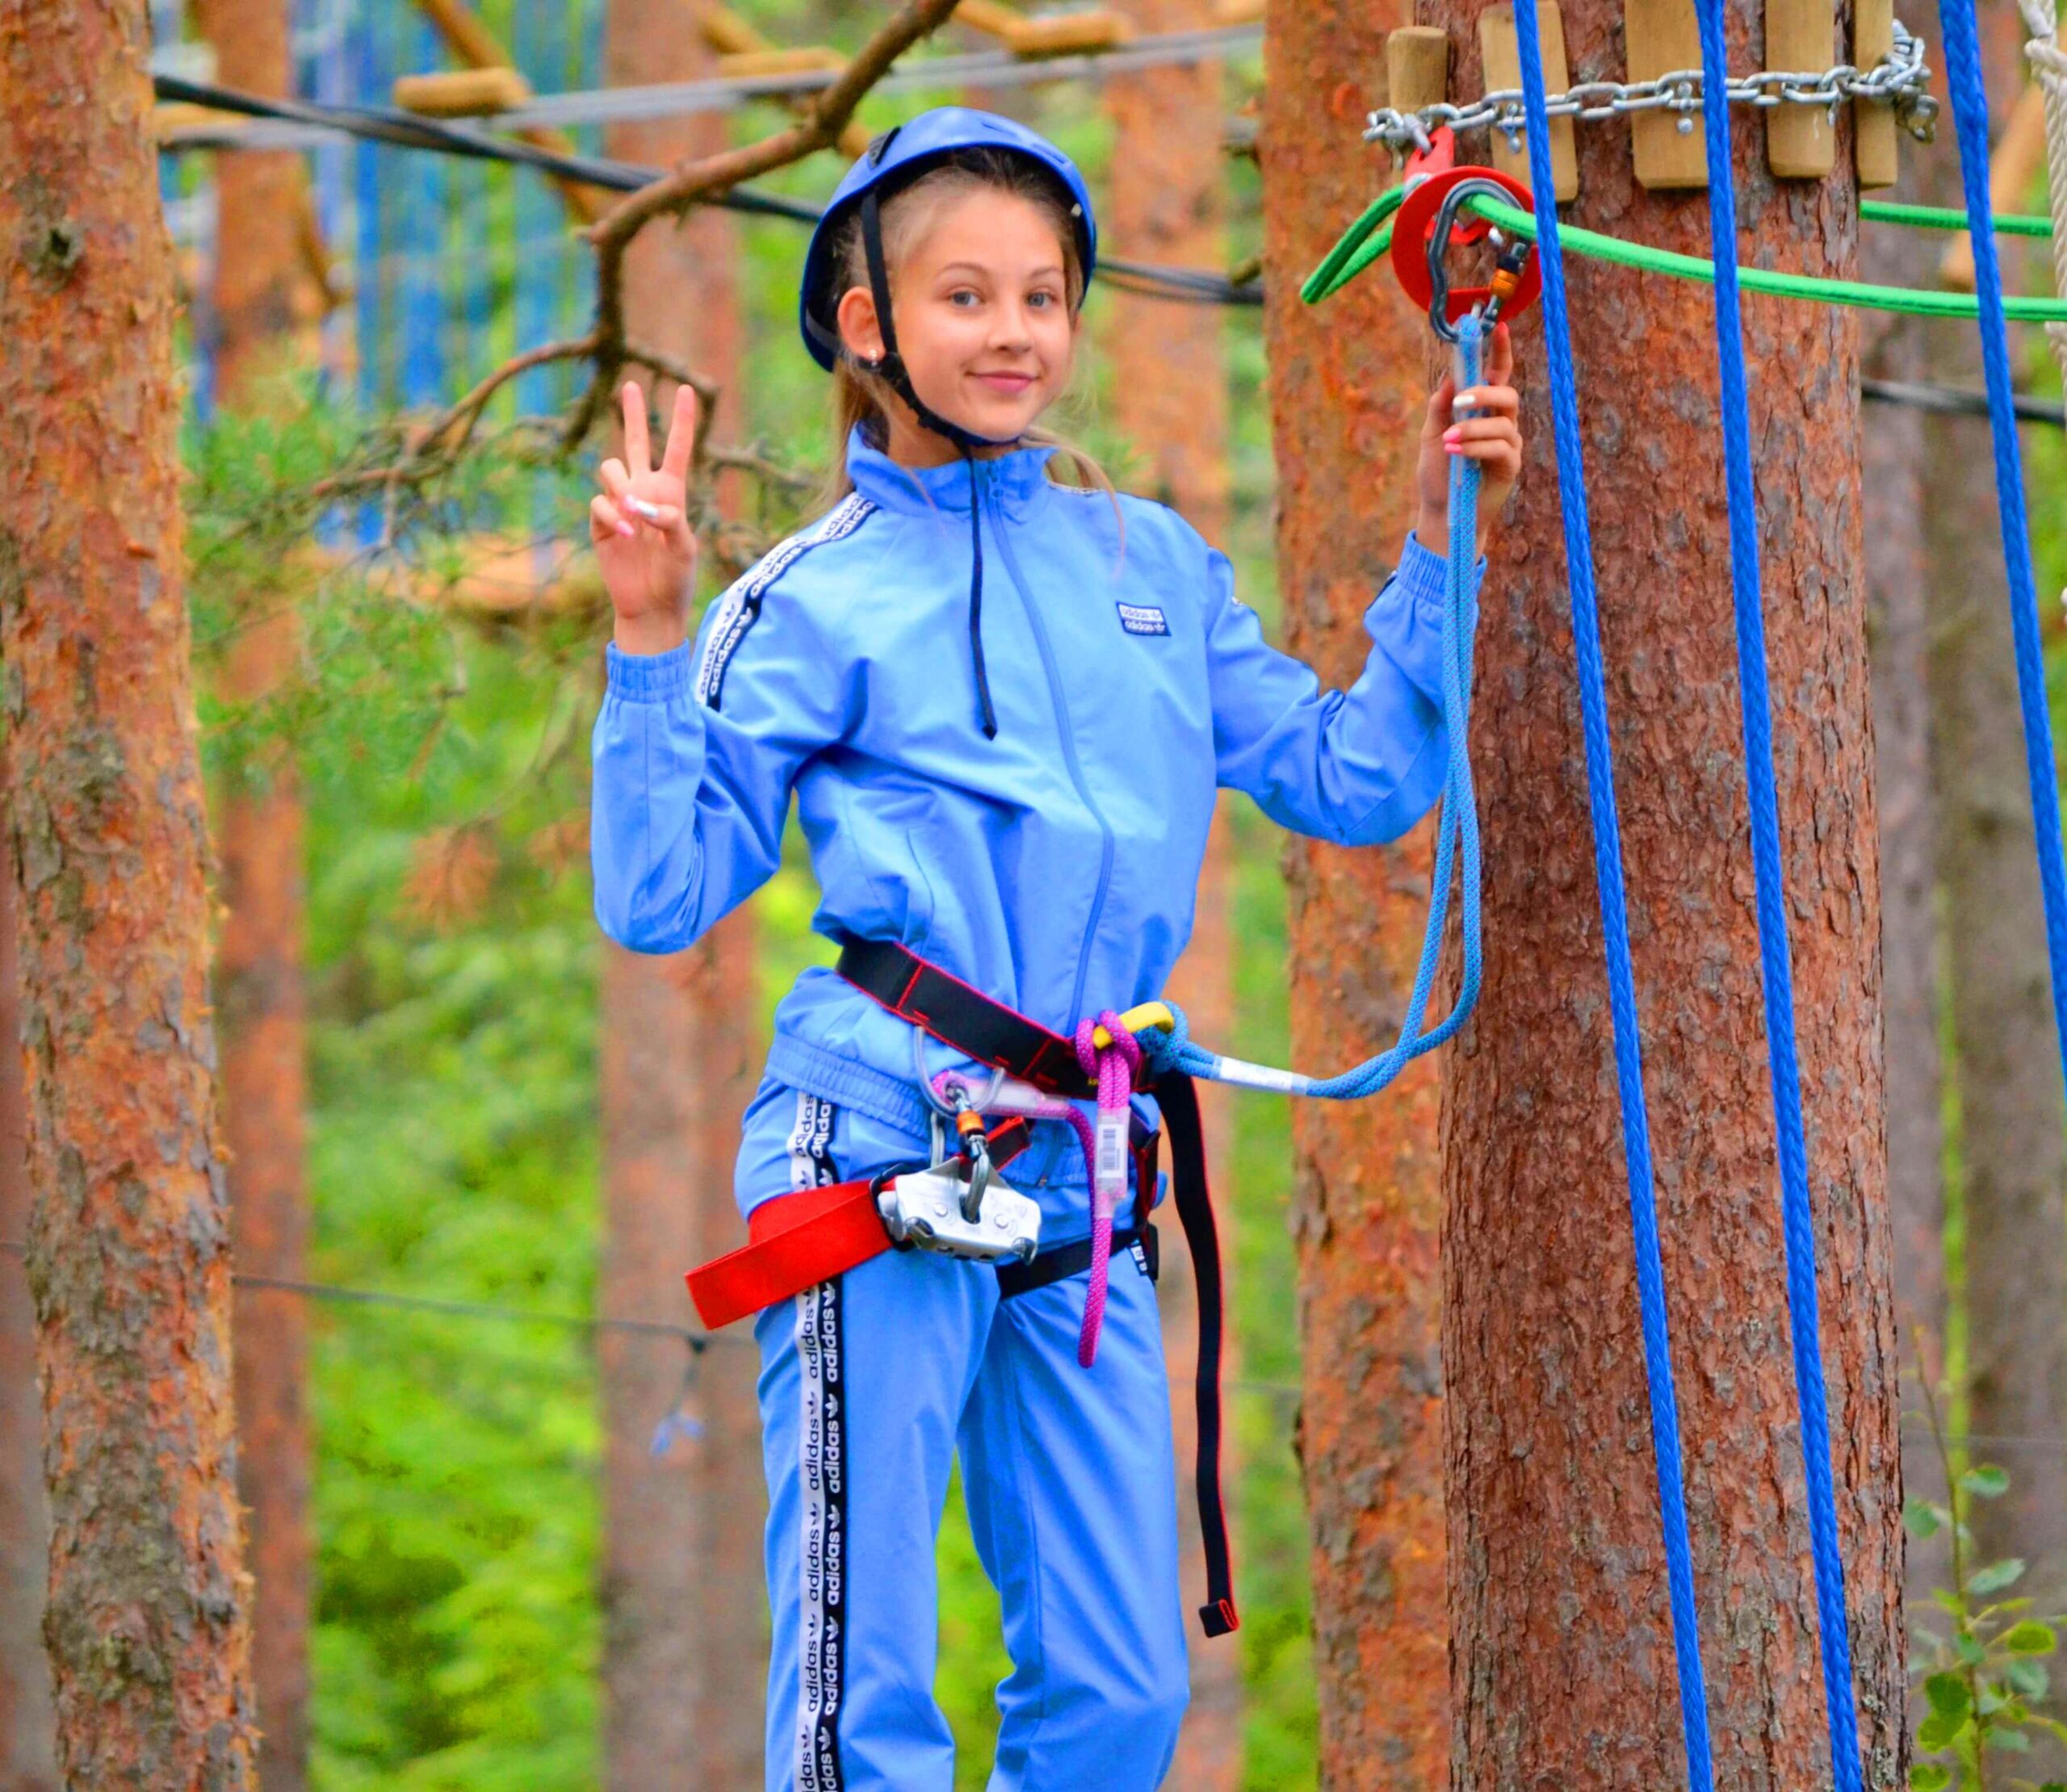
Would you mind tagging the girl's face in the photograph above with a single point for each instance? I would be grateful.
(983, 320)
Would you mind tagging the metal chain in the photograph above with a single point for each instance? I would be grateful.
(1902, 78)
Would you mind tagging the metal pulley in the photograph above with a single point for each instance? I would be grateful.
(1430, 225)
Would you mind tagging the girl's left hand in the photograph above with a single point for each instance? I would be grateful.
(1491, 437)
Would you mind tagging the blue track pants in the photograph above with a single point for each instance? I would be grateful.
(869, 1383)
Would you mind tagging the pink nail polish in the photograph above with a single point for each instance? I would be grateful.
(625, 529)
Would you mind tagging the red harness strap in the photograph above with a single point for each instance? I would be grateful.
(796, 1241)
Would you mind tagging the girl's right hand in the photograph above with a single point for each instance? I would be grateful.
(640, 527)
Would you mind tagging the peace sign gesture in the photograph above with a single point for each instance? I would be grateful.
(640, 530)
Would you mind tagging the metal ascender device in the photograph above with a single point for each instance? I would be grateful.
(960, 1206)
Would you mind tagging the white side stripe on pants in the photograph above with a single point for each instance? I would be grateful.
(822, 1552)
(823, 1557)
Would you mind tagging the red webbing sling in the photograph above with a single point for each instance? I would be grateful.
(962, 1016)
(796, 1241)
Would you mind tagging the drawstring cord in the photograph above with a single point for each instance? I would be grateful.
(889, 364)
(989, 714)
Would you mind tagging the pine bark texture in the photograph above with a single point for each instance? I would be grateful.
(28, 1761)
(1893, 445)
(1170, 401)
(2013, 1125)
(685, 1648)
(1563, 1665)
(1348, 385)
(1901, 483)
(259, 990)
(129, 1245)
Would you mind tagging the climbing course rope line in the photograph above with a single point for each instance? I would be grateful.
(2048, 64)
(1901, 79)
(405, 130)
(1761, 790)
(1970, 121)
(1637, 1164)
(985, 69)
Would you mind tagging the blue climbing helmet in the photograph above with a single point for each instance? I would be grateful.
(897, 157)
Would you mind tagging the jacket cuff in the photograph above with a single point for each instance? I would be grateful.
(1426, 575)
(651, 677)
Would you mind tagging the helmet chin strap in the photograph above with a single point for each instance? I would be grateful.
(889, 364)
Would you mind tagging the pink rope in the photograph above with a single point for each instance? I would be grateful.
(1115, 1068)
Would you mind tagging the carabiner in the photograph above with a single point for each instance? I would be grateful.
(1507, 275)
(974, 1148)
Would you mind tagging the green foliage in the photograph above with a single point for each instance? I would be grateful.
(1983, 1677)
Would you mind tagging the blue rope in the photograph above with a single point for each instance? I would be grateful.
(1456, 837)
(1970, 117)
(1615, 916)
(1798, 1224)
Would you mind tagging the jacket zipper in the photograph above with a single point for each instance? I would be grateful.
(1108, 843)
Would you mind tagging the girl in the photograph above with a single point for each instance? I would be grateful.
(1003, 705)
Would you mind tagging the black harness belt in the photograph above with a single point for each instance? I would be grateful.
(962, 1017)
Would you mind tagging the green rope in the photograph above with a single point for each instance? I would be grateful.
(1643, 257)
(1344, 263)
(1370, 236)
(1940, 217)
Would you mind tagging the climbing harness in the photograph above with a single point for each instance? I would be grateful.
(1046, 1074)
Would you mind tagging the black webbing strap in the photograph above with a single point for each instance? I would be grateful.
(964, 1017)
(1065, 1261)
(1178, 1097)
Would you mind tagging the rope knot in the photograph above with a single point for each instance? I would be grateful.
(1091, 1059)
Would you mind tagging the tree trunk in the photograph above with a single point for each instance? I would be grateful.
(1893, 445)
(2007, 1057)
(129, 1246)
(1896, 446)
(27, 1761)
(685, 1654)
(258, 959)
(1562, 1658)
(1170, 400)
(1347, 389)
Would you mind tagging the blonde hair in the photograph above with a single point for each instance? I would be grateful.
(860, 398)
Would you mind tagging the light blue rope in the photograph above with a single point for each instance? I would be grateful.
(1970, 119)
(1797, 1224)
(1614, 918)
(1457, 836)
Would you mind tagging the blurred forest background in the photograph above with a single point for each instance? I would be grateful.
(446, 675)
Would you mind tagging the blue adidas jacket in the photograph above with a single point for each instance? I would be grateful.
(1055, 867)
